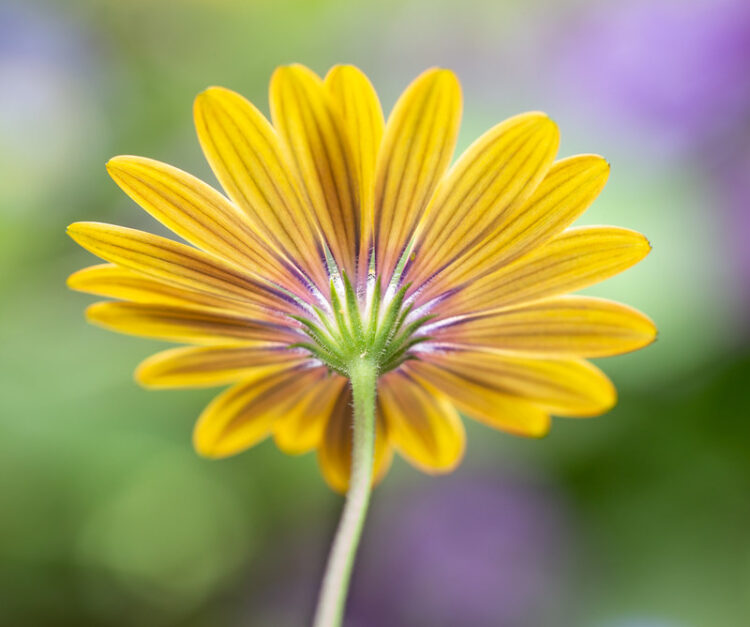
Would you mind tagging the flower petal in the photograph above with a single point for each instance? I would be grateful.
(200, 215)
(566, 387)
(182, 324)
(248, 159)
(113, 281)
(487, 405)
(303, 112)
(573, 260)
(566, 326)
(335, 452)
(419, 139)
(244, 414)
(422, 424)
(360, 108)
(567, 190)
(301, 427)
(484, 191)
(194, 366)
(175, 263)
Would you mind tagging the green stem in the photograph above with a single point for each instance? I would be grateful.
(333, 592)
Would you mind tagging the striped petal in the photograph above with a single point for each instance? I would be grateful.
(358, 104)
(569, 187)
(114, 281)
(181, 324)
(487, 405)
(250, 162)
(566, 326)
(301, 427)
(422, 424)
(566, 387)
(484, 190)
(306, 118)
(573, 260)
(175, 263)
(335, 452)
(193, 366)
(244, 415)
(418, 144)
(200, 215)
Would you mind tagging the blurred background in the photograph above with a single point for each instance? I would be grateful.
(636, 519)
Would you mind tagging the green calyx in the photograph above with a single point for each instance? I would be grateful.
(362, 329)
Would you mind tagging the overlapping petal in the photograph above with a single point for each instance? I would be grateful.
(177, 264)
(112, 281)
(301, 427)
(485, 404)
(567, 190)
(575, 259)
(566, 387)
(209, 366)
(303, 112)
(186, 325)
(577, 326)
(418, 144)
(244, 414)
(252, 165)
(358, 104)
(422, 423)
(484, 191)
(200, 215)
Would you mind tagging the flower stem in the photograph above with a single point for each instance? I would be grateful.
(333, 592)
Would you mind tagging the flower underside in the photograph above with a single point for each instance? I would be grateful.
(343, 236)
(363, 326)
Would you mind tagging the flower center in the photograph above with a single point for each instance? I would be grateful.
(379, 326)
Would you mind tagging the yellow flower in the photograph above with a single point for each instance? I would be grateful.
(344, 235)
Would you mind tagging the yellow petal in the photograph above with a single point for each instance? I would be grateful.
(192, 366)
(244, 415)
(174, 263)
(573, 260)
(487, 405)
(335, 452)
(419, 139)
(301, 427)
(566, 326)
(200, 215)
(250, 162)
(313, 129)
(484, 190)
(567, 190)
(566, 387)
(422, 424)
(358, 104)
(181, 324)
(113, 281)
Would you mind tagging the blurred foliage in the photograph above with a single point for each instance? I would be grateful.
(108, 518)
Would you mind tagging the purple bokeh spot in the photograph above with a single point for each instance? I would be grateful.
(463, 552)
(678, 66)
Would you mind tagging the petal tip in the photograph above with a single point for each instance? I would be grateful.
(73, 280)
(609, 401)
(143, 375)
(123, 162)
(204, 446)
(210, 95)
(93, 313)
(76, 230)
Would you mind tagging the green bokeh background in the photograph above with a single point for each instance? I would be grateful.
(107, 517)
